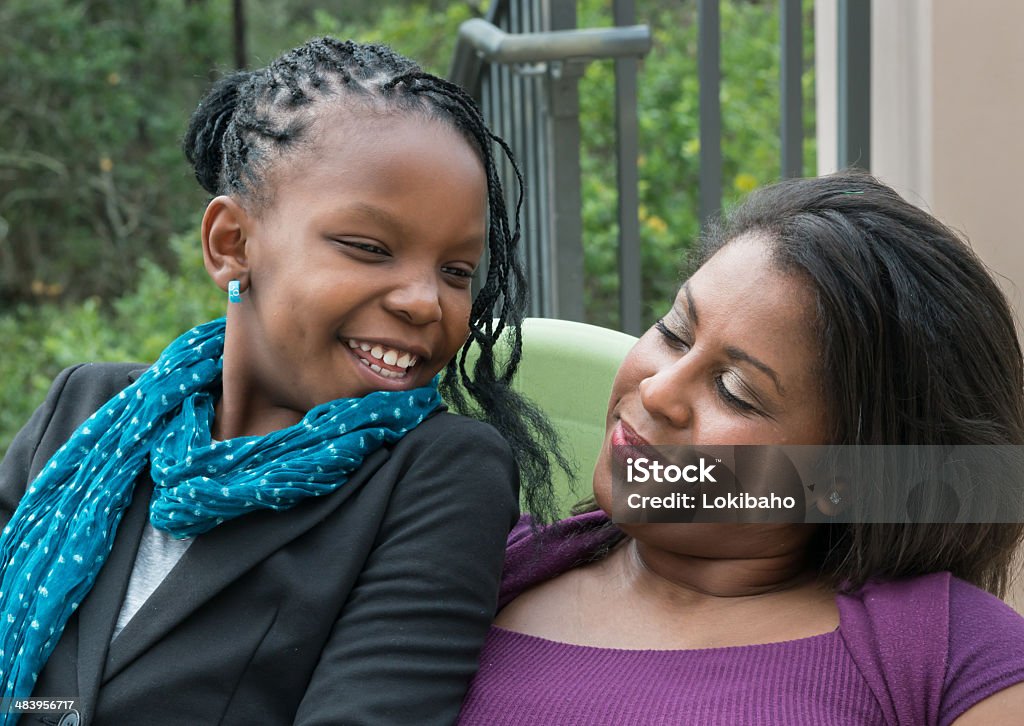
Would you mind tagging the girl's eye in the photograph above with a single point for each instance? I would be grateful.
(459, 276)
(731, 398)
(671, 338)
(457, 271)
(367, 247)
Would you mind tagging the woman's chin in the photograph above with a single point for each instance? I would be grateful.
(602, 483)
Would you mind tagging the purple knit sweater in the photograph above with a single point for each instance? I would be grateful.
(914, 652)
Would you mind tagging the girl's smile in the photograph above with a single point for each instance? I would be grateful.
(393, 364)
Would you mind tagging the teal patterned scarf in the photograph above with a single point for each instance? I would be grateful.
(63, 529)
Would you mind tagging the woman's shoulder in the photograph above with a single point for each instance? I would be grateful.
(938, 608)
(933, 642)
(537, 553)
(940, 595)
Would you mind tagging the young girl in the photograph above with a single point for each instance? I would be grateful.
(276, 523)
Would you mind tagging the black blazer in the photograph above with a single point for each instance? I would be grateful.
(365, 606)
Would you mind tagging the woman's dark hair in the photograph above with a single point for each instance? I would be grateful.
(918, 347)
(251, 119)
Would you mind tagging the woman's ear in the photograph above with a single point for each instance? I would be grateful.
(225, 229)
(832, 498)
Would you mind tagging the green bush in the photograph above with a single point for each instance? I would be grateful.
(41, 340)
(670, 139)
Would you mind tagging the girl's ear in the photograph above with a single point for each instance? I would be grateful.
(225, 228)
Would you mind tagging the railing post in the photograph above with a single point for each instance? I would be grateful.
(854, 83)
(791, 68)
(628, 150)
(709, 75)
(564, 135)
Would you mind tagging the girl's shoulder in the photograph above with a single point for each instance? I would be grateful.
(932, 642)
(92, 384)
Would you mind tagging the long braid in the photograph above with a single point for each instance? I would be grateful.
(250, 119)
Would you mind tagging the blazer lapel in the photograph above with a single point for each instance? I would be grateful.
(98, 612)
(219, 557)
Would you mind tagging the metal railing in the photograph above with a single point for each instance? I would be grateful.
(523, 63)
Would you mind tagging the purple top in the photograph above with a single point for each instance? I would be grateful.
(918, 651)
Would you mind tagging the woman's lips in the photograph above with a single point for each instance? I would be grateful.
(628, 444)
(629, 436)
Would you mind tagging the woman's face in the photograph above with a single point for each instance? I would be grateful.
(359, 268)
(735, 361)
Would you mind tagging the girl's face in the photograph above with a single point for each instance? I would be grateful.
(733, 362)
(359, 265)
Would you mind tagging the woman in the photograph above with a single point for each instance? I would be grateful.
(824, 311)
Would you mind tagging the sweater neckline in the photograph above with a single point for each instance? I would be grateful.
(817, 640)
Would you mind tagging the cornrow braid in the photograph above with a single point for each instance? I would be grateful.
(250, 119)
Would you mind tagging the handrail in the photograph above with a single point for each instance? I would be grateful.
(480, 41)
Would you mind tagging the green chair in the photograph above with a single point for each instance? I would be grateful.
(567, 369)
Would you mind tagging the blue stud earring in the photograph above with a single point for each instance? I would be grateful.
(234, 292)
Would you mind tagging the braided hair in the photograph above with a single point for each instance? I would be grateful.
(251, 119)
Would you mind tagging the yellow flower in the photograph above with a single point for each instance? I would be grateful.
(113, 78)
(657, 224)
(106, 165)
(745, 182)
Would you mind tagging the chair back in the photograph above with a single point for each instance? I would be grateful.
(567, 369)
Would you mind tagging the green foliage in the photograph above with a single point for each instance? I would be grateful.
(43, 339)
(90, 170)
(670, 139)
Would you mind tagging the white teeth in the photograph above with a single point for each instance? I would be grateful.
(375, 368)
(388, 356)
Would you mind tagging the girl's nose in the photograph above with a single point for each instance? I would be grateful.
(666, 393)
(417, 300)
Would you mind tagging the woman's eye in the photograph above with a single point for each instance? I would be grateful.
(671, 338)
(731, 398)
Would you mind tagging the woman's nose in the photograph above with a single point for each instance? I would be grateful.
(667, 393)
(417, 299)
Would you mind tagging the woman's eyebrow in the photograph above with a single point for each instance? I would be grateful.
(733, 352)
(691, 306)
(738, 354)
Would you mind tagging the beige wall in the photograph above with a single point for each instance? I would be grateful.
(977, 145)
(947, 125)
